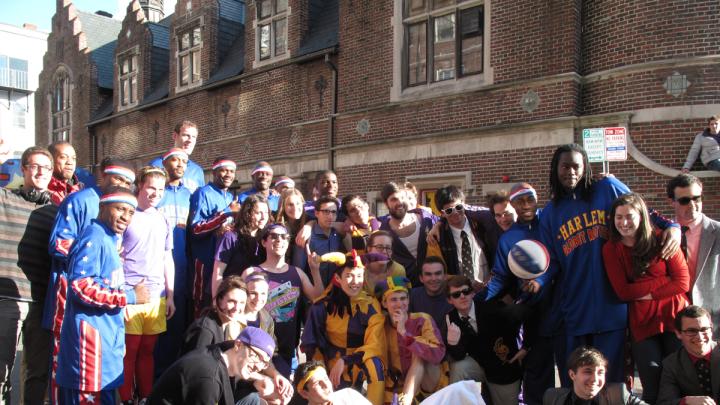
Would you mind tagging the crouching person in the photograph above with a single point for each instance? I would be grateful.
(203, 375)
(587, 367)
(415, 346)
(313, 384)
(345, 330)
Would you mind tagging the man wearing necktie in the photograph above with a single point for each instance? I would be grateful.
(700, 242)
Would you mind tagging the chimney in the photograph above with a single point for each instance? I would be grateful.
(31, 27)
(103, 13)
(153, 10)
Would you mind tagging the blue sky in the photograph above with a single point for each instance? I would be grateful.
(40, 12)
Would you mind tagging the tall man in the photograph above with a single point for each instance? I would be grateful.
(175, 206)
(147, 257)
(64, 180)
(408, 230)
(573, 228)
(691, 375)
(91, 344)
(184, 137)
(701, 243)
(468, 239)
(26, 218)
(262, 175)
(326, 183)
(211, 206)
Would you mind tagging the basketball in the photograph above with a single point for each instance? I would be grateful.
(528, 259)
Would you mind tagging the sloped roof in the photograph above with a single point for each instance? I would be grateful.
(231, 40)
(101, 34)
(105, 110)
(233, 61)
(323, 26)
(160, 35)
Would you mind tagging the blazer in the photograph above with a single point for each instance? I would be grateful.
(611, 394)
(402, 255)
(707, 272)
(486, 232)
(679, 378)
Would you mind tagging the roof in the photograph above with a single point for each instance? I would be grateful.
(160, 35)
(160, 54)
(101, 34)
(233, 61)
(105, 110)
(323, 26)
(231, 40)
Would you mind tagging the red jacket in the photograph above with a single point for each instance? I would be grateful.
(666, 281)
(59, 189)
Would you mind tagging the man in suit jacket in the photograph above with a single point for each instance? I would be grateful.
(701, 243)
(587, 367)
(692, 374)
(481, 340)
(467, 239)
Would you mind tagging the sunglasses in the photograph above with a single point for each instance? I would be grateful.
(449, 211)
(686, 200)
(279, 236)
(457, 294)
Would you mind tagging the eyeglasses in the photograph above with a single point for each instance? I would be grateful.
(36, 167)
(692, 332)
(686, 200)
(382, 247)
(449, 211)
(457, 294)
(504, 214)
(279, 236)
(328, 212)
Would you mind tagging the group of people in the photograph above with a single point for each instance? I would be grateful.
(153, 287)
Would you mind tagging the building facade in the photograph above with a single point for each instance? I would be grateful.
(477, 93)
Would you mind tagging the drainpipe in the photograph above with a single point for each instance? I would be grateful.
(331, 118)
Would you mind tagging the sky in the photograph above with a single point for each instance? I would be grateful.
(40, 12)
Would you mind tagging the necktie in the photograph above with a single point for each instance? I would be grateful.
(466, 255)
(683, 241)
(702, 367)
(466, 320)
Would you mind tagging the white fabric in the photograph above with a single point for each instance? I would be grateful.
(348, 396)
(460, 393)
(481, 270)
(411, 241)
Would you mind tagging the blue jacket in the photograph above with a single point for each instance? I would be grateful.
(92, 340)
(273, 198)
(175, 206)
(194, 176)
(208, 211)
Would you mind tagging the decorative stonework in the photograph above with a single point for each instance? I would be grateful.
(363, 127)
(294, 140)
(530, 101)
(676, 84)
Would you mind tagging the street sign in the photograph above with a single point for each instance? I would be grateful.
(615, 144)
(594, 144)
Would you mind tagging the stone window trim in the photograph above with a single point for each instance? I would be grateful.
(130, 77)
(270, 21)
(60, 105)
(400, 91)
(193, 53)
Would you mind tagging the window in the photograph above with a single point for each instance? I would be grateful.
(19, 110)
(13, 72)
(443, 40)
(189, 44)
(61, 106)
(128, 78)
(271, 28)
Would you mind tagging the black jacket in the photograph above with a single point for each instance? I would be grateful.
(486, 232)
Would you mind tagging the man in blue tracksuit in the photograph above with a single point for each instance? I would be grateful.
(90, 360)
(573, 228)
(262, 175)
(539, 374)
(184, 137)
(175, 206)
(211, 207)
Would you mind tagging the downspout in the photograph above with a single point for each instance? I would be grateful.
(333, 113)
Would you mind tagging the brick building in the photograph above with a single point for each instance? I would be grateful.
(471, 92)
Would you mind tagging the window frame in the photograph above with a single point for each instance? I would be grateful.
(62, 82)
(271, 22)
(462, 81)
(132, 77)
(193, 52)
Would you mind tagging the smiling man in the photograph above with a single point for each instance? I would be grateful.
(314, 385)
(690, 375)
(185, 137)
(262, 175)
(90, 364)
(586, 369)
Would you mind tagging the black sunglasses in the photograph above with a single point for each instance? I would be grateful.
(686, 200)
(457, 294)
(449, 211)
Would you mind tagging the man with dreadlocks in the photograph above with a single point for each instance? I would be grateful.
(345, 329)
(585, 310)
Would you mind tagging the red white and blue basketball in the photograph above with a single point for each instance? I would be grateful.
(528, 259)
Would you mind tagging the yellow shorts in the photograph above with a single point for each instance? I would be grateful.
(146, 319)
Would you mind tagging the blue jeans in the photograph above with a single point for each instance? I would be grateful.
(713, 165)
(648, 355)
